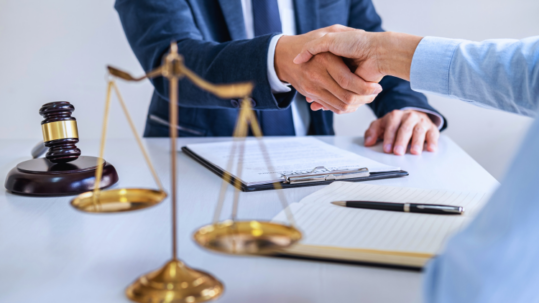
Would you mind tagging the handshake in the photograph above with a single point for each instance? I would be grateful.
(338, 68)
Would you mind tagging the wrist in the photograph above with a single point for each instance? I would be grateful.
(395, 52)
(276, 85)
(281, 60)
(382, 47)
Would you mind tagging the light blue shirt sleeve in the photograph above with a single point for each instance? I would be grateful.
(496, 257)
(501, 73)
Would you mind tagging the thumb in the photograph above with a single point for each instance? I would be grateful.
(316, 46)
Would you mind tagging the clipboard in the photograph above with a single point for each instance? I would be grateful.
(304, 179)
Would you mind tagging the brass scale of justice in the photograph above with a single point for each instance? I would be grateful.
(175, 281)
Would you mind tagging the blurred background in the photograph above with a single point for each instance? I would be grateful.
(57, 50)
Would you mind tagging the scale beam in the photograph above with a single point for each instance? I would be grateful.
(176, 282)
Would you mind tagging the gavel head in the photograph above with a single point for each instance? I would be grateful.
(60, 131)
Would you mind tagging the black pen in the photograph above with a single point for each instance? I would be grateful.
(436, 209)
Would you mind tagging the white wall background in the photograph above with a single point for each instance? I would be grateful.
(57, 50)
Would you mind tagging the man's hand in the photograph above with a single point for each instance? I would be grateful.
(402, 127)
(375, 54)
(325, 78)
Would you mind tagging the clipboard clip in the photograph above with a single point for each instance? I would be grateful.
(328, 175)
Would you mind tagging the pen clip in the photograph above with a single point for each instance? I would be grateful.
(328, 175)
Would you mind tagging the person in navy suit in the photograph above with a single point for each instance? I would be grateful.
(228, 41)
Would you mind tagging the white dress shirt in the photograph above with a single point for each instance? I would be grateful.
(300, 108)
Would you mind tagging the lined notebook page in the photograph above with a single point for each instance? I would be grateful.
(324, 224)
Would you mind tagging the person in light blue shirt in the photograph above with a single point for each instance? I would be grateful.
(496, 257)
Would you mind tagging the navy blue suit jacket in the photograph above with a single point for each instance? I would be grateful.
(211, 36)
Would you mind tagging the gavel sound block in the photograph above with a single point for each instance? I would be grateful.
(63, 171)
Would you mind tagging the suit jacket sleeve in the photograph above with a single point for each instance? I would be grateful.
(150, 26)
(396, 93)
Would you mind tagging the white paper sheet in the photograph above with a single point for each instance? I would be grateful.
(287, 155)
(324, 224)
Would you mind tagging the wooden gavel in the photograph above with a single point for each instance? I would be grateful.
(60, 133)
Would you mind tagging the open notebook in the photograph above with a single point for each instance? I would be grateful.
(375, 236)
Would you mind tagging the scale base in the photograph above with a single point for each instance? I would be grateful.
(175, 283)
(41, 177)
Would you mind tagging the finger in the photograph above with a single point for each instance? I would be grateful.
(338, 28)
(311, 48)
(331, 100)
(374, 132)
(347, 101)
(391, 122)
(315, 100)
(329, 42)
(334, 104)
(338, 111)
(317, 106)
(326, 100)
(349, 81)
(404, 133)
(418, 138)
(432, 139)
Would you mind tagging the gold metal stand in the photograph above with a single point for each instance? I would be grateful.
(175, 282)
(123, 199)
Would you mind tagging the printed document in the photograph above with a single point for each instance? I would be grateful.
(285, 156)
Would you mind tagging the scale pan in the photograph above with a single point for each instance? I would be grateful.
(118, 200)
(246, 237)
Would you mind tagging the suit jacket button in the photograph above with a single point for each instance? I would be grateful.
(235, 103)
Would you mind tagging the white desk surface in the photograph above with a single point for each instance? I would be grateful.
(50, 252)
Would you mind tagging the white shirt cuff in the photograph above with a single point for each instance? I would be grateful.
(436, 118)
(277, 86)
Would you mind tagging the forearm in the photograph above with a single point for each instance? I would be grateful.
(394, 52)
(500, 73)
(229, 62)
(151, 25)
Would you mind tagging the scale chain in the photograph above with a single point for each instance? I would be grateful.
(99, 170)
(246, 118)
(137, 137)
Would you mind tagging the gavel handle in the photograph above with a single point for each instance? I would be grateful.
(39, 150)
